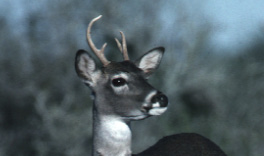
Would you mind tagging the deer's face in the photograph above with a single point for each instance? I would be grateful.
(121, 88)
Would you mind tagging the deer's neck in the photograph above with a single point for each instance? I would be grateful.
(112, 136)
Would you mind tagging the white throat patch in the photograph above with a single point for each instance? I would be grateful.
(115, 137)
(115, 128)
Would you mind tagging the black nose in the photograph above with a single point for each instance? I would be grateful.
(161, 99)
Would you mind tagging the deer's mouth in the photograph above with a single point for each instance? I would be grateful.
(136, 117)
(157, 111)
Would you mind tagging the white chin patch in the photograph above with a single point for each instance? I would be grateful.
(157, 111)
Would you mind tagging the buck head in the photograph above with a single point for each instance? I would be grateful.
(120, 88)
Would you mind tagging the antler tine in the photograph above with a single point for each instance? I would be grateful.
(119, 45)
(125, 54)
(98, 52)
(123, 47)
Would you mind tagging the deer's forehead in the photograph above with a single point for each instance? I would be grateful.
(126, 67)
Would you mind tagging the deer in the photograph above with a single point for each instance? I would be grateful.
(121, 94)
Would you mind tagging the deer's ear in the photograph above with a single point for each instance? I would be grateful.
(150, 61)
(85, 67)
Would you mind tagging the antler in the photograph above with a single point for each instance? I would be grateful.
(98, 52)
(123, 47)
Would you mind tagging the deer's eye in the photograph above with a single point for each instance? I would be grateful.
(118, 82)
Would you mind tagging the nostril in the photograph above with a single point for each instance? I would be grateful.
(161, 99)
